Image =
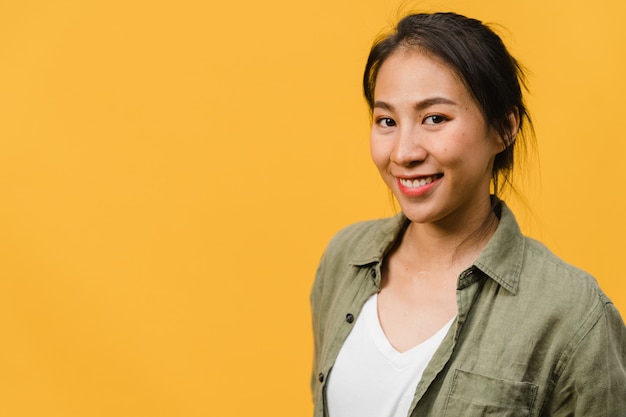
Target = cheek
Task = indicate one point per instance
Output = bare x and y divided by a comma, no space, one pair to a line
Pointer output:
379,152
381,148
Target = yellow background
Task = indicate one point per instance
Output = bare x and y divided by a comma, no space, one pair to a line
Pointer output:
170,172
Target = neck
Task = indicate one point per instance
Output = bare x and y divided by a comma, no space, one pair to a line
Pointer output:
450,244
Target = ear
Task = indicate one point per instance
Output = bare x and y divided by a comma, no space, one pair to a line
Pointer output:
512,128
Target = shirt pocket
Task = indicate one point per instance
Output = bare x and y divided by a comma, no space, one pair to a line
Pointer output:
473,395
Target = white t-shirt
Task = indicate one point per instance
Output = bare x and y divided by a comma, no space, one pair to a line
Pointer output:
372,379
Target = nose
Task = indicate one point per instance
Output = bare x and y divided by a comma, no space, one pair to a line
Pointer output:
408,148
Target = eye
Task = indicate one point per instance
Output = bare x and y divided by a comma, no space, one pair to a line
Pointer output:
385,122
435,119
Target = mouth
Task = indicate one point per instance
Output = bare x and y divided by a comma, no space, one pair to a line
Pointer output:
418,182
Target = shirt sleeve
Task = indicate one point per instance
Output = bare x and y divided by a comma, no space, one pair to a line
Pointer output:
593,381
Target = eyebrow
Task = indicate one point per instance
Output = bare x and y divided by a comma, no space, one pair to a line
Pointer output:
420,105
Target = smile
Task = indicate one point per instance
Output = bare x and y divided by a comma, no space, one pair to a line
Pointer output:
418,182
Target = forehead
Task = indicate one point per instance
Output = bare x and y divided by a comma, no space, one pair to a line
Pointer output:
414,70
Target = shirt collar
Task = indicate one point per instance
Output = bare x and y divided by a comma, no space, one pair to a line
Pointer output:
379,241
503,256
501,260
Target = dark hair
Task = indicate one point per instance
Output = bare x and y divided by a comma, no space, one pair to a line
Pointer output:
480,59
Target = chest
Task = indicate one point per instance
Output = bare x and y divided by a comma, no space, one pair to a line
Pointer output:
492,354
412,306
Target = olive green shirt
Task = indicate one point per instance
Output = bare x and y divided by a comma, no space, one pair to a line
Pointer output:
534,336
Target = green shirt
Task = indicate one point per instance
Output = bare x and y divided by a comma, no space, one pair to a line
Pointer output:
534,336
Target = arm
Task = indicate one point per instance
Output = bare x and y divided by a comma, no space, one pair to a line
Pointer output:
593,380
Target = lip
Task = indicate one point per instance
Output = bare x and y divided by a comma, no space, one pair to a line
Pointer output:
417,190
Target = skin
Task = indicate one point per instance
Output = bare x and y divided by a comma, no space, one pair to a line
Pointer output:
428,127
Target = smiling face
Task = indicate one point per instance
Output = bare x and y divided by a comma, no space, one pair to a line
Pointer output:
430,141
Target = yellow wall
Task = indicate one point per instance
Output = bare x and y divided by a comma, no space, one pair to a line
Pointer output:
170,172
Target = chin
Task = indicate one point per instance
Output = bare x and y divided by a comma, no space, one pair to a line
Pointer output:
419,215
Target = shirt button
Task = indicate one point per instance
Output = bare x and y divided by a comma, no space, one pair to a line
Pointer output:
320,377
349,318
373,273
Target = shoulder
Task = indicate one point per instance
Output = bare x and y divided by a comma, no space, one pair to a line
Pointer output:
577,313
547,289
526,267
365,241
565,299
560,279
356,246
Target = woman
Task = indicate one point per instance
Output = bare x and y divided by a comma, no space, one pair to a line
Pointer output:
447,309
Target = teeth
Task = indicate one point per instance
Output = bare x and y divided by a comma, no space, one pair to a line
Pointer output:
417,182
